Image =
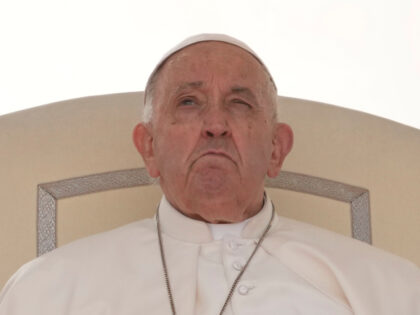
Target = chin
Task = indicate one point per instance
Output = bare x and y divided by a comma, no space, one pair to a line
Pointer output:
213,182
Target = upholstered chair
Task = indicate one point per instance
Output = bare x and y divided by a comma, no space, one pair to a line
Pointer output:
69,169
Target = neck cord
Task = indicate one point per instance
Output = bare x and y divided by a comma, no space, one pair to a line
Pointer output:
238,277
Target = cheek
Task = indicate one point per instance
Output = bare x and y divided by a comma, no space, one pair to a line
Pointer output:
257,146
173,146
186,116
168,158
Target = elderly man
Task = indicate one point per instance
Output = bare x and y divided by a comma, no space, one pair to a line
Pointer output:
216,245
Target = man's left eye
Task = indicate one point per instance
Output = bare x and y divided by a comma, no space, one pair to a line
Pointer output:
241,102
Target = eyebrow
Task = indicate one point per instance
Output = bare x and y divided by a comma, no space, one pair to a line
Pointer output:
244,91
186,85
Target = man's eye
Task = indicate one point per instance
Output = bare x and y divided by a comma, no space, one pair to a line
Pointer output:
241,102
187,102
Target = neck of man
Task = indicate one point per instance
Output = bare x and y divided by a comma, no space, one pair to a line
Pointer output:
217,210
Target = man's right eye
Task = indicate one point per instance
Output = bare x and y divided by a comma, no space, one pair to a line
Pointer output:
187,102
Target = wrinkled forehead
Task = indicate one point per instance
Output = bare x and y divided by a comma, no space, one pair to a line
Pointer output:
207,38
211,57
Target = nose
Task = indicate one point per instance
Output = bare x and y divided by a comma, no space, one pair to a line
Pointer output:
215,124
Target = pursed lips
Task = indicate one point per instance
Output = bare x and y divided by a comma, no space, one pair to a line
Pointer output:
214,152
218,153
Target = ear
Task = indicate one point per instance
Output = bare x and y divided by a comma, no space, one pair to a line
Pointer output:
282,145
143,140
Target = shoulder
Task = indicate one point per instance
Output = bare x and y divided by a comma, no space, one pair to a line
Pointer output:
373,280
121,238
101,245
291,232
89,264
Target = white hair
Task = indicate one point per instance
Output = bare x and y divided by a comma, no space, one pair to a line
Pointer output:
148,109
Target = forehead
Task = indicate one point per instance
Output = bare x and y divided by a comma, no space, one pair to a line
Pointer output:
205,60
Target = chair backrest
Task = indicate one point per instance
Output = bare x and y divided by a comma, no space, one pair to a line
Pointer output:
69,170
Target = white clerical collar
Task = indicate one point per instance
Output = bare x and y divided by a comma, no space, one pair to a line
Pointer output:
181,227
219,230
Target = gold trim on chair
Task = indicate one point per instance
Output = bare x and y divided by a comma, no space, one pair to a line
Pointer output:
49,193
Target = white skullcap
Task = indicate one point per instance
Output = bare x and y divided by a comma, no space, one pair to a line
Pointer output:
205,38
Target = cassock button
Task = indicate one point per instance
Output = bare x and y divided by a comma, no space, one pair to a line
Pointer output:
237,266
243,289
233,245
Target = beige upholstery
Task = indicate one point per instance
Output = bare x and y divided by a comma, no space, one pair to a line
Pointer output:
92,135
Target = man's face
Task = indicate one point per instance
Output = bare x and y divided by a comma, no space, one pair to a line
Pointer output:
213,138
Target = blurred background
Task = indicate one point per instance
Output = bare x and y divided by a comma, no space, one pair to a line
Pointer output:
360,54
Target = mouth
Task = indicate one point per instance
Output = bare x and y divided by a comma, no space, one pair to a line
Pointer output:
213,157
218,153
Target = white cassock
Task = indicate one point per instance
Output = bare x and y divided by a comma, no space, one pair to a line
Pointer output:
299,269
